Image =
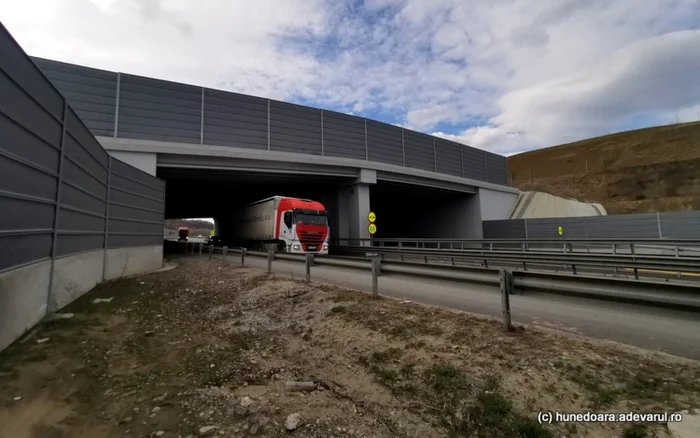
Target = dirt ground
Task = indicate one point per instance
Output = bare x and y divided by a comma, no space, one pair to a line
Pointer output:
205,349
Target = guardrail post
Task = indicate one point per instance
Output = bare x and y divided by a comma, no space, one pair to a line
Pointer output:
270,255
243,251
201,246
573,268
376,267
486,263
506,290
193,247
636,274
614,246
211,251
309,258
224,252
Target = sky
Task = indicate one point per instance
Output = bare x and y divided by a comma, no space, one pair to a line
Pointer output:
502,75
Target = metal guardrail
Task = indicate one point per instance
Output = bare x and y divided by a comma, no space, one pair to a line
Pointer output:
636,264
677,248
566,261
664,294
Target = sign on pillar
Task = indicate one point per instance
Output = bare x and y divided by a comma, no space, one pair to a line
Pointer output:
371,227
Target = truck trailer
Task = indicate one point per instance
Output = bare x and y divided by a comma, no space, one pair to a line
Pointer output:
286,224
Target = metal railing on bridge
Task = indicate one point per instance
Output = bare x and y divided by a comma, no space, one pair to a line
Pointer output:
675,248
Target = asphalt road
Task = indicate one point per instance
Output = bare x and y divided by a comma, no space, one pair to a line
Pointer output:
670,331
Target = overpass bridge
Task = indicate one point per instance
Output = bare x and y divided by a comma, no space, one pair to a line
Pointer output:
218,151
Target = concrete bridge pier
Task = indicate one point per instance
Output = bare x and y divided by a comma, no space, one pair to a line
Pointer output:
353,205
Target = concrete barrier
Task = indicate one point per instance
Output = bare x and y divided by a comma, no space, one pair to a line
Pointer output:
73,276
23,299
121,262
29,293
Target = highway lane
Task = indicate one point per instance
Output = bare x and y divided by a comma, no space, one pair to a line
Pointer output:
671,331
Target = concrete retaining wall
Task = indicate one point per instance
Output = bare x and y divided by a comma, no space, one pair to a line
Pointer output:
121,262
24,292
73,276
23,299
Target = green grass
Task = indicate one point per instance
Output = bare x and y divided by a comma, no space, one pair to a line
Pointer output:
444,378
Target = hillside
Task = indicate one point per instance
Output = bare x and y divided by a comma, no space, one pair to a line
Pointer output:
645,170
195,226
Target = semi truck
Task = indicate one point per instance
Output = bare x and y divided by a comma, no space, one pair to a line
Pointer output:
283,223
183,233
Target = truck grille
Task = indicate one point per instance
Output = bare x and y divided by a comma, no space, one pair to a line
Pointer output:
311,237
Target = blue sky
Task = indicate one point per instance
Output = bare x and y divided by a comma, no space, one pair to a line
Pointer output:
502,75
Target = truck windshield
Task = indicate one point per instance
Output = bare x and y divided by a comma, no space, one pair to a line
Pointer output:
310,219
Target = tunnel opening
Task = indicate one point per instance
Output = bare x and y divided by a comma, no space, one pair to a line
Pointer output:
220,194
411,211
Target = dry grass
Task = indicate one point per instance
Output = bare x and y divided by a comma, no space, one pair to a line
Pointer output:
646,170
178,350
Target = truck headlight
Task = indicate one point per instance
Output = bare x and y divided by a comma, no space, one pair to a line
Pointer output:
297,247
325,247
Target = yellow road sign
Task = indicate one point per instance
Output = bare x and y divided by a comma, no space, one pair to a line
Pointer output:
371,217
372,228
560,230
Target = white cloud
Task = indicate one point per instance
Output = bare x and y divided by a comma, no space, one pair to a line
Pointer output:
214,43
653,77
522,74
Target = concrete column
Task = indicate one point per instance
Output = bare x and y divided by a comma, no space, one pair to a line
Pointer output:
354,204
217,227
341,221
358,208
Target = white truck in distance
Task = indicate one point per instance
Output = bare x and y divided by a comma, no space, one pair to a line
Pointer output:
288,224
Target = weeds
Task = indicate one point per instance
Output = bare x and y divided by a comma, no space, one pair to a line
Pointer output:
384,366
600,395
444,378
462,408
643,385
635,431
396,326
